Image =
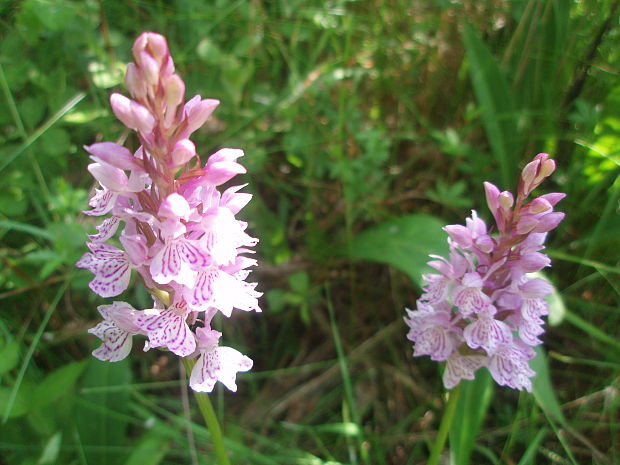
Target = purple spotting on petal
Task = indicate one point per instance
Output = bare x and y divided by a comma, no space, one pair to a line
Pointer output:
166,328
459,367
218,364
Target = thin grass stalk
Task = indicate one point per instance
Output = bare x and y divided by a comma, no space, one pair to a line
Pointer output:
210,418
446,424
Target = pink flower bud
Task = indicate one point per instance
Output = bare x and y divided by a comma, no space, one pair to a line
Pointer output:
149,67
526,224
549,222
553,198
547,167
109,177
492,194
113,154
460,234
134,80
221,166
158,46
144,121
183,151
197,111
506,200
538,205
132,114
528,174
534,261
174,90
174,206
155,44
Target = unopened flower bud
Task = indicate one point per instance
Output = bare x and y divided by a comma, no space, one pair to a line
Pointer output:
549,221
547,167
538,205
460,234
158,46
149,67
553,198
134,80
183,151
197,111
132,114
153,43
174,90
174,206
144,121
526,224
506,200
221,166
113,154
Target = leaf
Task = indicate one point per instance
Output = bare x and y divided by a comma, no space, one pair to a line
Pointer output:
496,104
151,448
542,388
403,243
9,356
50,453
531,451
100,418
21,403
472,407
58,383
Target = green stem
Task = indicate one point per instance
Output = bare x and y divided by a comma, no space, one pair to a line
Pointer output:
444,428
204,404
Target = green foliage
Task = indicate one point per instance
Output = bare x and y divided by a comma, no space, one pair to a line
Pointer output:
404,243
363,123
471,411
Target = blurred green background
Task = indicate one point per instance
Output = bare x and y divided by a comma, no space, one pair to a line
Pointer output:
367,125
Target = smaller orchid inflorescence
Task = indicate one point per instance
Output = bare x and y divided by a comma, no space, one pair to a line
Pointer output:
180,233
483,309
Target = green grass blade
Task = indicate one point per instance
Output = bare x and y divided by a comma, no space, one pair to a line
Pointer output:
592,330
532,449
496,104
472,407
26,228
32,348
66,108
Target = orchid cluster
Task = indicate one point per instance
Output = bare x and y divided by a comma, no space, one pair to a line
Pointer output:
179,233
483,308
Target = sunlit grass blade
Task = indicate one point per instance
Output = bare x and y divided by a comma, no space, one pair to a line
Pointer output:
66,108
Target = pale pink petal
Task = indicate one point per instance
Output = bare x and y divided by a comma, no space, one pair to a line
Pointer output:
219,364
461,367
165,328
487,333
113,154
109,177
107,229
116,342
102,202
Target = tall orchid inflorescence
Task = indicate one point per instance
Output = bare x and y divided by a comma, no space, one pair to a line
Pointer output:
483,309
179,232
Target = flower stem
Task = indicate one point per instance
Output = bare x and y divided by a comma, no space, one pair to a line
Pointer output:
208,414
444,428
